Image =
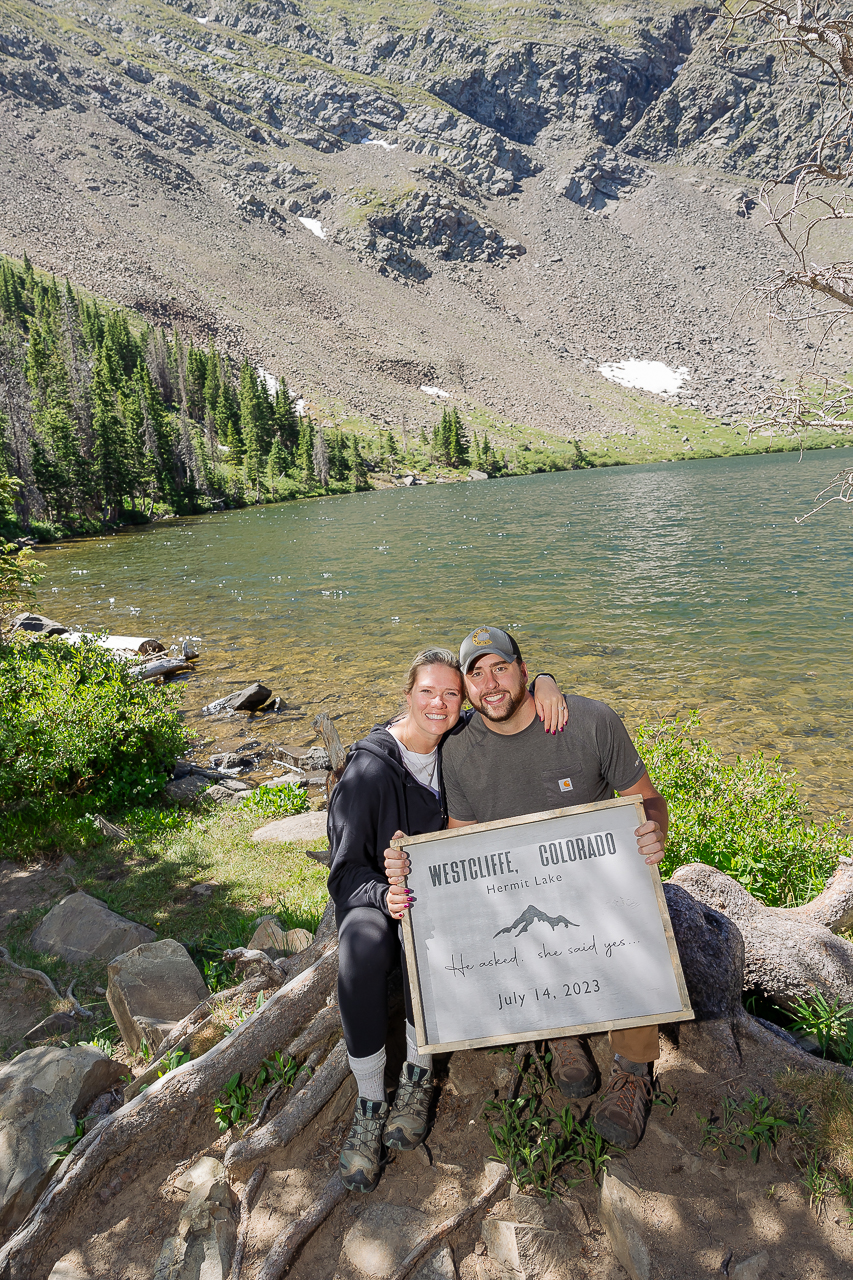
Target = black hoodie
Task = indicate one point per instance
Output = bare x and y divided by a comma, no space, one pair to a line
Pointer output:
375,797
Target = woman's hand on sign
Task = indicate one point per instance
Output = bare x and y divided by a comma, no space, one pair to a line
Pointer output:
650,843
397,867
550,704
398,901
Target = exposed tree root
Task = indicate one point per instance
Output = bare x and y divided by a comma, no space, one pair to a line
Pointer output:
302,1108
445,1228
156,1121
285,1246
246,1202
788,953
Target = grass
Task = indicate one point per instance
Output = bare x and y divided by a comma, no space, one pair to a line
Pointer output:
149,879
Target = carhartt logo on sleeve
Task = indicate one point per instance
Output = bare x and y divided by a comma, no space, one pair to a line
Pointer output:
565,784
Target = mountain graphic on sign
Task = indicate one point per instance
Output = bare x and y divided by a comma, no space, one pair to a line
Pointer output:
529,916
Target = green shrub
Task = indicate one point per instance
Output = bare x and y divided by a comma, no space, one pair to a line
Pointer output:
277,801
745,818
79,731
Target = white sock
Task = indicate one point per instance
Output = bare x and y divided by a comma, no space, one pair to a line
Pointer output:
370,1075
412,1054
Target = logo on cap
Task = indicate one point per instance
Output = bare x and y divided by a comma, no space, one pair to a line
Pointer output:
482,636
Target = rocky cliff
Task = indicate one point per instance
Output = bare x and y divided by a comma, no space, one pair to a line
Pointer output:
507,197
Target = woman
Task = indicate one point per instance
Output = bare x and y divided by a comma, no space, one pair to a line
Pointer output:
392,782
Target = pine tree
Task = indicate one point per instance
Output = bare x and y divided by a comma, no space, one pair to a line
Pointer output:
320,458
458,445
286,420
487,457
475,452
109,453
211,383
276,464
358,470
304,464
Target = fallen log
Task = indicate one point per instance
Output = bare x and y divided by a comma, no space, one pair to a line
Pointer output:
155,1123
334,747
161,667
286,1244
303,1107
788,952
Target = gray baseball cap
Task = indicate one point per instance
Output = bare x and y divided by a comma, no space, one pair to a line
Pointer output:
486,640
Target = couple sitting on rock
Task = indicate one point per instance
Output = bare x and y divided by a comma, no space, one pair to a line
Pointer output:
435,766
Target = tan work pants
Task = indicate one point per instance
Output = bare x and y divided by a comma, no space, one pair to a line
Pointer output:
639,1044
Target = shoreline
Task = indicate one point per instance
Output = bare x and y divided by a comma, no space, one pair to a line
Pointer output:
17,534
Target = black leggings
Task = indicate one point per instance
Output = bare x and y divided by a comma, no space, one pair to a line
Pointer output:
370,948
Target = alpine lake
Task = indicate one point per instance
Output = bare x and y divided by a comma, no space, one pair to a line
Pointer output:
660,589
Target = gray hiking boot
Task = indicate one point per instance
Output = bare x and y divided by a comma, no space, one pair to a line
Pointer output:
573,1068
623,1108
361,1155
406,1125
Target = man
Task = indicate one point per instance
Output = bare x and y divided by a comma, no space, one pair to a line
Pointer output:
504,764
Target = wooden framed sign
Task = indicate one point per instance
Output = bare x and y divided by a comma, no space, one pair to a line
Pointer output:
546,925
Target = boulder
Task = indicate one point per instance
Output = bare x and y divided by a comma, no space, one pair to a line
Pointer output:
275,941
621,1214
221,795
206,1238
43,1092
185,790
37,622
752,1268
534,1240
299,826
249,699
268,937
81,928
438,1266
233,760
150,989
381,1238
478,475
53,1025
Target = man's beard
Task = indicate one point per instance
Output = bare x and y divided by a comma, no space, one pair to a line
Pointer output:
506,710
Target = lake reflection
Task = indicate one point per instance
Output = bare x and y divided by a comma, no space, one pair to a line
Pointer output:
657,588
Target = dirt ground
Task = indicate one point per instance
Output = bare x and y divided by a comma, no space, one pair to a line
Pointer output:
699,1211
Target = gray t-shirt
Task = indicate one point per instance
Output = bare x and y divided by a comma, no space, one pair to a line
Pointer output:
490,776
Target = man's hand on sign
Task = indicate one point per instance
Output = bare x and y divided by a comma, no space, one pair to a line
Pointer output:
650,843
397,867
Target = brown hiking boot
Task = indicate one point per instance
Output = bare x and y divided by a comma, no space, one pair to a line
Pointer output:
572,1068
623,1107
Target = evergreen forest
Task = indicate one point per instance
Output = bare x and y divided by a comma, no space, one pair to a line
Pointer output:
104,420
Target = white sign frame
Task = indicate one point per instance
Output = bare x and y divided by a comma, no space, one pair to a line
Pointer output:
557,831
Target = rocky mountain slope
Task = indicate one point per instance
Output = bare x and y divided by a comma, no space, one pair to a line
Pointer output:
487,201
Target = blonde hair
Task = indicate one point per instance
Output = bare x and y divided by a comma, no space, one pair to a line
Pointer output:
429,658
